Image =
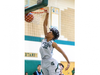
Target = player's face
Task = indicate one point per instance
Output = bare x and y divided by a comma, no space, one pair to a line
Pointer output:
39,67
26,73
61,67
49,34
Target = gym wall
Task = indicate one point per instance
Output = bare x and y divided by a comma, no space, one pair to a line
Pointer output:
66,24
67,28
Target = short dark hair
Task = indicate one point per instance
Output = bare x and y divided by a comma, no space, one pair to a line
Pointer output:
26,72
55,33
39,65
61,65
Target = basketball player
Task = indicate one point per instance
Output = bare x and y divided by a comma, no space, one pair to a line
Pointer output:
49,64
38,72
61,68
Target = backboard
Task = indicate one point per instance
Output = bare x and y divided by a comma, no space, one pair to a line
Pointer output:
32,5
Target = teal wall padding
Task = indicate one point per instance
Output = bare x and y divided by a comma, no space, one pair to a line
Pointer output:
39,39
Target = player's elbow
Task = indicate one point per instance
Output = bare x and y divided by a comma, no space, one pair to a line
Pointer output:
45,25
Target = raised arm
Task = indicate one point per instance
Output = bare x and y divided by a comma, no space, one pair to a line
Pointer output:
46,22
61,51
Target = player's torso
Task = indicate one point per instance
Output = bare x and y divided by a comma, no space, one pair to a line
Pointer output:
46,49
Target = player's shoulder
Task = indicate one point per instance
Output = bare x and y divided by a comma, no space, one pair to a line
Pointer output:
34,73
43,40
54,44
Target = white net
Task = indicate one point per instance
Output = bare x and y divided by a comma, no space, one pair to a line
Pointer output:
37,16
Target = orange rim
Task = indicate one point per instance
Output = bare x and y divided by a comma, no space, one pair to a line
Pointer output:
42,8
26,7
37,12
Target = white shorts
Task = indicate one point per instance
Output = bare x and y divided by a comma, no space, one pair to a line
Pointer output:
50,67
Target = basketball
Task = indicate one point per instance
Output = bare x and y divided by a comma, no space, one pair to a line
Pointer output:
29,17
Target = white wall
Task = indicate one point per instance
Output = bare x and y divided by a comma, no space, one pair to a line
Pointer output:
33,47
69,51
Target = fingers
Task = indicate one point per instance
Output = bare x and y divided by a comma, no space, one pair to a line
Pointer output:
67,67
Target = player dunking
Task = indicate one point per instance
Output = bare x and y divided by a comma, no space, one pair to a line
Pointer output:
49,64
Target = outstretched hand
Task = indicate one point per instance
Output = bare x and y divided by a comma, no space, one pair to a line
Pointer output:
68,65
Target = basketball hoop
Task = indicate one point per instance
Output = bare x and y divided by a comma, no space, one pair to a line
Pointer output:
26,7
38,15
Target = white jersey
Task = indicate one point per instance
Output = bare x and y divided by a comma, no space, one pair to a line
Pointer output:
48,64
46,49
